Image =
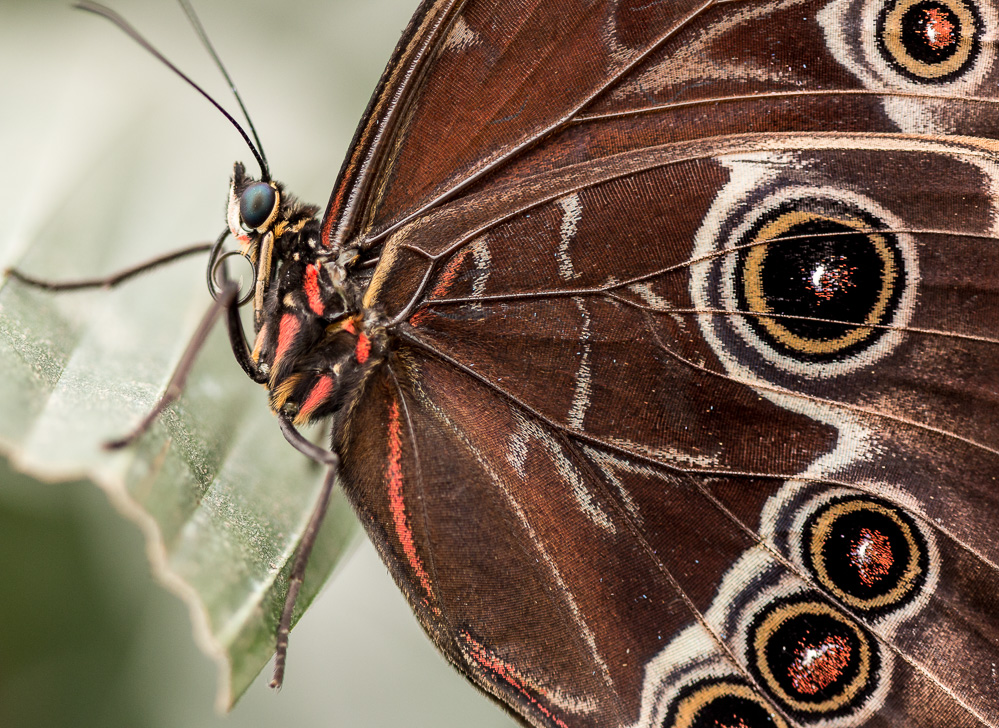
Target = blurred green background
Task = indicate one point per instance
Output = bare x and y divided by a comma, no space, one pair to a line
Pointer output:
88,638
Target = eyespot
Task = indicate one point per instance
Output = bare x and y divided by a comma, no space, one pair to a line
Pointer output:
868,553
812,659
257,205
940,54
929,41
724,702
821,282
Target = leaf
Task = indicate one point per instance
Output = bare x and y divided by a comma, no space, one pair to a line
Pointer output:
220,496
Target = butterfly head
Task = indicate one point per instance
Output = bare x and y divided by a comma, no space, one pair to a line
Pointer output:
261,208
271,227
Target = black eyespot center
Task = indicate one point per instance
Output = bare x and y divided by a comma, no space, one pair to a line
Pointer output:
869,554
825,283
722,701
256,204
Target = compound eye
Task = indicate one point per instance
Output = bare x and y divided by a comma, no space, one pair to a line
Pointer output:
256,204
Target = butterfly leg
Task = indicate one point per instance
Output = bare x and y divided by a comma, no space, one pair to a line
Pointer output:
113,279
226,294
237,336
297,575
227,300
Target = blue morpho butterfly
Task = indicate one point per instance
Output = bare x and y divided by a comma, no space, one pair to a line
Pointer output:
656,339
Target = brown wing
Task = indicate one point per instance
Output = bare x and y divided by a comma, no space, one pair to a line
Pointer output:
472,84
668,475
475,85
694,419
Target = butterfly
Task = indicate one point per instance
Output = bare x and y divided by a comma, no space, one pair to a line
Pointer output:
657,341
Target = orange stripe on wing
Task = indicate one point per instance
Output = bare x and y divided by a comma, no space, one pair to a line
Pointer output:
400,519
503,670
335,209
444,283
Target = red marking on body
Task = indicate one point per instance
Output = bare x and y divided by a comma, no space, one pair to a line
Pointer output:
508,674
287,331
740,724
444,283
872,556
349,327
937,29
312,289
317,395
817,666
400,519
363,348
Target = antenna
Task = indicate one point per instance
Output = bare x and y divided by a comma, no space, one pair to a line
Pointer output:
131,32
200,29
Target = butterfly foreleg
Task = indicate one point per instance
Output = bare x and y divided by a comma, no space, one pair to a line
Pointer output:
112,280
297,575
227,299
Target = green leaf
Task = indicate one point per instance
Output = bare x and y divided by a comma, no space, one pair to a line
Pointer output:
221,498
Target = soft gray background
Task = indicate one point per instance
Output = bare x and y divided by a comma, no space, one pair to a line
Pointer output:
88,639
